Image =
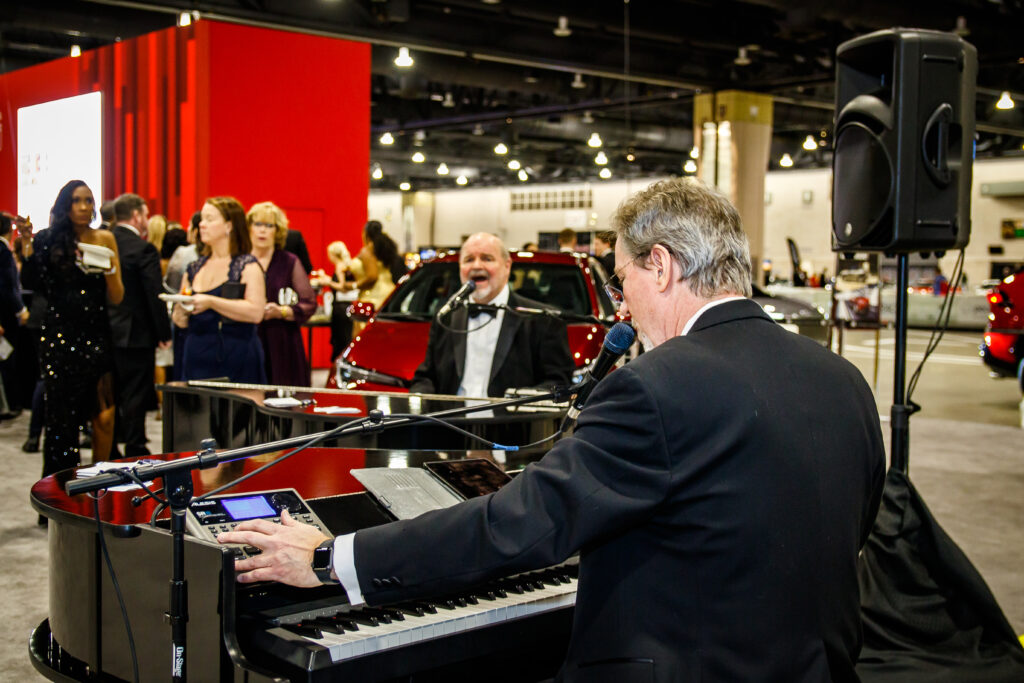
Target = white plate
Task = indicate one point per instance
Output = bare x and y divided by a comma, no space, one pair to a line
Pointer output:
177,298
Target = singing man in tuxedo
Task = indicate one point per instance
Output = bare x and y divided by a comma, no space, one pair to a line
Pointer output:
139,323
716,495
492,351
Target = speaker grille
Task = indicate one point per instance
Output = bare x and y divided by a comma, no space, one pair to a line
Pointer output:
862,185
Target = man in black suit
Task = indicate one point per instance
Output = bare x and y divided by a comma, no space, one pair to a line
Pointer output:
717,488
604,250
13,315
501,350
139,323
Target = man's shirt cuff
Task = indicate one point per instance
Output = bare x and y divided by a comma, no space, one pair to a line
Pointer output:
345,568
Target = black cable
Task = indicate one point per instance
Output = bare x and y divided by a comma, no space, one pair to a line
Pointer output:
454,330
941,324
117,587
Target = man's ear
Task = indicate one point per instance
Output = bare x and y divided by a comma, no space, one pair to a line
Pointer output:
660,261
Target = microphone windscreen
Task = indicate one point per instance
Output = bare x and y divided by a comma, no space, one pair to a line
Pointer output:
619,338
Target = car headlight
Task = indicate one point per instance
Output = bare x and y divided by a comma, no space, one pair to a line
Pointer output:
346,373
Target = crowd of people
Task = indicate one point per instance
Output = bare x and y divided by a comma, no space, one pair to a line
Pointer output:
86,335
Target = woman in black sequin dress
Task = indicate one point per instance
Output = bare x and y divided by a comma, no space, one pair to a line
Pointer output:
76,351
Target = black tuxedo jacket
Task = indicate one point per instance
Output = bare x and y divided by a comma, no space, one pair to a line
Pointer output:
532,351
10,291
718,489
140,320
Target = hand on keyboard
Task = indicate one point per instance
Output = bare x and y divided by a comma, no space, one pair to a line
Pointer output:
287,551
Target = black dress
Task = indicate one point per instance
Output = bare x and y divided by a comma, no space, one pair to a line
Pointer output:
76,348
217,346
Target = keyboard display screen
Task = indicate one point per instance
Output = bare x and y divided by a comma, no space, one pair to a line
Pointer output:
248,507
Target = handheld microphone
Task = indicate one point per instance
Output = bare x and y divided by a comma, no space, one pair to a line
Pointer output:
616,342
464,291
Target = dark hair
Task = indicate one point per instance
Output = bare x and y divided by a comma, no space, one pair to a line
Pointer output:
233,212
175,237
566,236
126,205
5,224
61,237
107,211
384,248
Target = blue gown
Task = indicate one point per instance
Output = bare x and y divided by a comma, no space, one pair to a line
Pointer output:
216,346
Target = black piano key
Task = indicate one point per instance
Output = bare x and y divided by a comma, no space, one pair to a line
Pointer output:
471,599
304,630
396,614
425,606
328,624
410,609
485,594
443,603
364,619
380,615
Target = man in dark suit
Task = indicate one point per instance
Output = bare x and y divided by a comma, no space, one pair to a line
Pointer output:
604,250
717,488
13,315
139,323
501,350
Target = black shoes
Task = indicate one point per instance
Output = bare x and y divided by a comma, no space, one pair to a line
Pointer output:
31,445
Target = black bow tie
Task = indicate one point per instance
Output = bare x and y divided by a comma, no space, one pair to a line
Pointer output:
477,310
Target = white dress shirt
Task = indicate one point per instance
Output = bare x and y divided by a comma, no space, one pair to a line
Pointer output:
481,340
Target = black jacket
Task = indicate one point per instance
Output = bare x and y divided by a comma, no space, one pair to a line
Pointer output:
532,351
140,320
718,489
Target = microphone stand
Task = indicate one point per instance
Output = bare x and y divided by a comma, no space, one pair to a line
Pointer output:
177,478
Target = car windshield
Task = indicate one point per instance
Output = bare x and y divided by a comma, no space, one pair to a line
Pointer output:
560,286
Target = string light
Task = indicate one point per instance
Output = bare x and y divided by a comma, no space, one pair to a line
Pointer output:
595,140
461,180
601,159
809,144
76,51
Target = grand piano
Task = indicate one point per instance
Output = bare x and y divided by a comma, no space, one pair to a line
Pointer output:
515,629
243,414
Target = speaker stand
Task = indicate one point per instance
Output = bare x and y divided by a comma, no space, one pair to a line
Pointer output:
901,412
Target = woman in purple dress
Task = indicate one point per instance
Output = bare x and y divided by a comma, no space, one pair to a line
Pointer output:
290,298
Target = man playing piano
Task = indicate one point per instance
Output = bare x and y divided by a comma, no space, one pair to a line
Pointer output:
715,495
494,350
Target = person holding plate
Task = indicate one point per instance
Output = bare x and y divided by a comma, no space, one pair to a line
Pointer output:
77,270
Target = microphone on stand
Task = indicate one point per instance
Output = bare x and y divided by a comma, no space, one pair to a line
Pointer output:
616,342
464,291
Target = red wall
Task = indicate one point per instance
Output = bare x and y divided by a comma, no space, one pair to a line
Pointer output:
220,109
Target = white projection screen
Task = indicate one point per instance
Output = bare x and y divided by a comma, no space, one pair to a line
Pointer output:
58,141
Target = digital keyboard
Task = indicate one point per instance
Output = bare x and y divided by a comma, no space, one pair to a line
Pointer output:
317,636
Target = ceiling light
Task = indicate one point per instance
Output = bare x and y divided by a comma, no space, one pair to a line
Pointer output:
514,164
419,157
418,137
630,157
500,148
523,176
530,77
491,2
478,129
786,161
185,19
601,159
387,139
605,173
448,101
436,97
403,59
695,153
690,166
588,118
742,59
563,30
76,51
405,186
461,180
809,144
595,140
442,169
378,173
961,27
577,81
1005,101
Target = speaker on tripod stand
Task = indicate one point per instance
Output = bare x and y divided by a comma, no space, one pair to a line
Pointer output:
904,142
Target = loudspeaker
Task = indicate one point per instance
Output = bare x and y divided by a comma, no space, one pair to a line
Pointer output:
904,142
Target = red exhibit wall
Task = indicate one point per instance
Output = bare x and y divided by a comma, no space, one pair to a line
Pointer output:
217,108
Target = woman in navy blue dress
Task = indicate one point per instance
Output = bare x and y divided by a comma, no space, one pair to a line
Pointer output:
228,298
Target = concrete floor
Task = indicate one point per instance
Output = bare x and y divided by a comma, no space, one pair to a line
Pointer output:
966,459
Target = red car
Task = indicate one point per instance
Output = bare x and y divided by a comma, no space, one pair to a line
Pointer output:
394,342
1003,346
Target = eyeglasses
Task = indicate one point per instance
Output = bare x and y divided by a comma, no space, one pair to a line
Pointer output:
258,224
615,293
